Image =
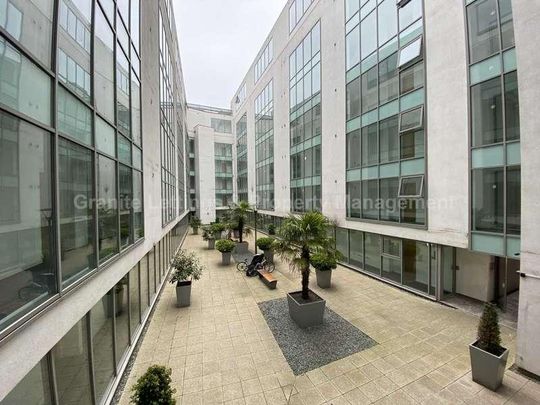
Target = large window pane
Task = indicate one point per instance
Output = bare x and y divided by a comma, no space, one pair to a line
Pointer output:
135,22
389,201
487,113
76,210
136,110
74,118
72,366
511,106
412,78
370,195
387,21
134,300
353,47
353,149
126,202
369,145
391,260
107,209
342,243
356,246
33,389
372,253
410,13
138,218
101,317
412,145
14,17
27,259
144,285
23,86
354,199
389,139
105,137
369,90
413,211
104,66
368,35
122,93
353,99
483,29
488,200
388,79
121,316
507,23
513,200
416,265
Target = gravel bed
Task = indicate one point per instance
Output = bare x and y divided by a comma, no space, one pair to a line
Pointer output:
314,347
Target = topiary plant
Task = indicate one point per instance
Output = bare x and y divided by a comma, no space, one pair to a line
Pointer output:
195,222
323,261
225,245
265,243
154,387
489,333
186,267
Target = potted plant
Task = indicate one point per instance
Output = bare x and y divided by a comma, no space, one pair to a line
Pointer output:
271,229
217,229
195,223
488,357
225,246
266,245
324,263
299,238
186,267
154,387
208,235
238,216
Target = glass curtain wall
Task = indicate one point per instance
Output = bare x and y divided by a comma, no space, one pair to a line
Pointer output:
385,110
223,155
242,159
264,148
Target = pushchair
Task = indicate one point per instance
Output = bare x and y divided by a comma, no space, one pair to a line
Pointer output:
251,268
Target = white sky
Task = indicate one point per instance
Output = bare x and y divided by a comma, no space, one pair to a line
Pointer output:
219,40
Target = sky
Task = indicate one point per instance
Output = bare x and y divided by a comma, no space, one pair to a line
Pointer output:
219,39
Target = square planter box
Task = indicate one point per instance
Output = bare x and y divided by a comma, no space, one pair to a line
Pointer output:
226,258
324,278
306,314
183,294
487,369
241,248
211,244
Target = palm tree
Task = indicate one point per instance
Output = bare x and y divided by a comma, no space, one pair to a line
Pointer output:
238,215
302,236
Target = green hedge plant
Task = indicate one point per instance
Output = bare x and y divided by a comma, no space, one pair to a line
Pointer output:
186,267
323,261
154,387
225,245
265,243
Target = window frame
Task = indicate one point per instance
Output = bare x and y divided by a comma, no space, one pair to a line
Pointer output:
402,65
400,188
415,128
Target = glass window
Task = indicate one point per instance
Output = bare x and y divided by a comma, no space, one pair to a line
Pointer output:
411,186
342,243
316,78
144,285
101,317
487,114
483,29
104,66
126,197
121,317
416,265
411,120
23,86
123,93
33,389
153,269
410,52
72,366
124,150
353,47
353,99
354,199
134,300
369,90
413,211
74,118
388,79
369,147
105,137
488,200
412,78
27,261
76,211
372,253
409,13
391,261
351,8
136,110
513,200
507,23
138,218
353,149
107,209
388,199
368,35
135,22
511,106
412,144
387,21
356,247
370,196
389,139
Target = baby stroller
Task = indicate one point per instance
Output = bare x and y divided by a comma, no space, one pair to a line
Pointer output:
251,268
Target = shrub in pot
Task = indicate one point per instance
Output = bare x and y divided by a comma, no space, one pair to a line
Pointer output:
217,229
208,235
195,224
225,246
488,357
238,216
324,263
186,267
154,387
299,238
271,229
266,245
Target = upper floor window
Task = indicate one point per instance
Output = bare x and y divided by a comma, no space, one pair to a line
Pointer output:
264,60
296,11
221,125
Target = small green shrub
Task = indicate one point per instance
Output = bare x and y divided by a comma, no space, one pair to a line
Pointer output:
154,387
195,222
271,229
217,227
323,262
225,245
489,334
265,243
186,266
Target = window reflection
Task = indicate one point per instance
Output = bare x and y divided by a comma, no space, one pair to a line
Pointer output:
107,209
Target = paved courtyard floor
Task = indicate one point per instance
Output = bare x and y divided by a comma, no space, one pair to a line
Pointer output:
222,351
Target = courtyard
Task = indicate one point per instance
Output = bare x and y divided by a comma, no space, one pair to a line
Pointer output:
221,349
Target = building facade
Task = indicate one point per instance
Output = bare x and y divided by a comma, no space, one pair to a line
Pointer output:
92,141
411,142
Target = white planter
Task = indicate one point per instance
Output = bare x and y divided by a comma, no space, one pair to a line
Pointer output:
306,314
183,294
324,278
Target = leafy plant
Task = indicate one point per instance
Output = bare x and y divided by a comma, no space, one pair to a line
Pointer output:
186,266
265,243
207,233
238,216
154,387
217,227
225,245
299,238
489,334
195,222
271,229
324,261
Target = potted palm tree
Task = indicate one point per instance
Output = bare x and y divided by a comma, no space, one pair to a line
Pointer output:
238,216
266,245
488,357
324,263
225,246
299,238
154,387
186,269
195,223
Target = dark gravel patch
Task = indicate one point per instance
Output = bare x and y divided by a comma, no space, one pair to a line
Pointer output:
311,348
